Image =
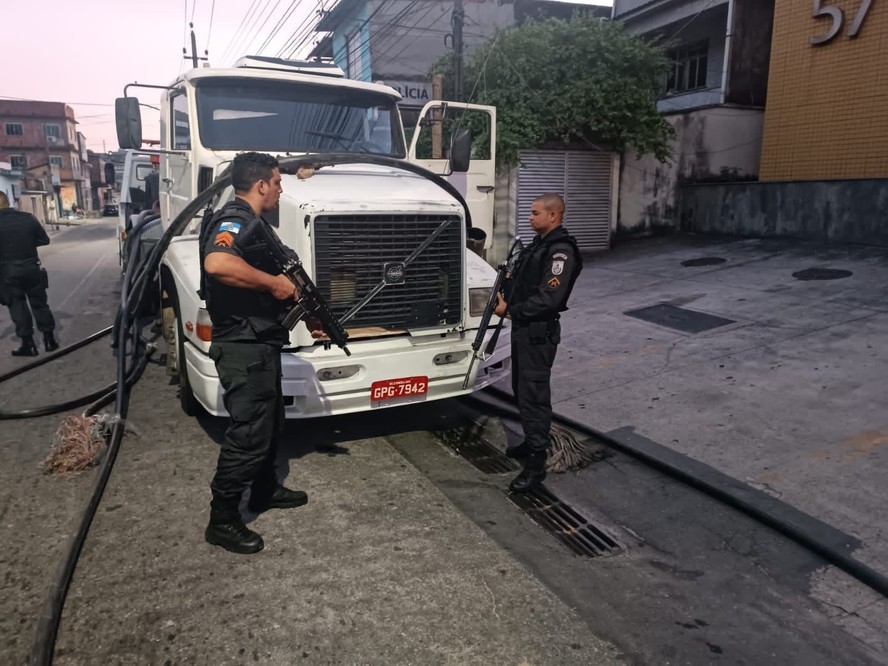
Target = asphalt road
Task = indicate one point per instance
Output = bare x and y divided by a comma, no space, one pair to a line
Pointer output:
406,553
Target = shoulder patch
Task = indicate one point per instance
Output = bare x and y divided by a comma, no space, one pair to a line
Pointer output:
558,267
554,282
224,239
559,255
233,227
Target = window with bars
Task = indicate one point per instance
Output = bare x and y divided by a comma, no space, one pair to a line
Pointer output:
18,161
55,161
687,69
14,129
53,131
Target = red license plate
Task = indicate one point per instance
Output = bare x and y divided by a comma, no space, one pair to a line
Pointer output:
405,387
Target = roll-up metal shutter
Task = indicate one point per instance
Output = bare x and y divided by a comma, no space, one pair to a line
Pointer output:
583,179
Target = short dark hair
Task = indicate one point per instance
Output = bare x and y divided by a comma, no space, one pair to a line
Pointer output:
248,168
552,201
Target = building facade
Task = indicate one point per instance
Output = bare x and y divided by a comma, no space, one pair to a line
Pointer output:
714,96
827,113
42,140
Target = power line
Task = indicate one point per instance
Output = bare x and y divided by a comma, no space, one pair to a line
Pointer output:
249,30
281,23
240,27
290,44
210,31
193,7
259,29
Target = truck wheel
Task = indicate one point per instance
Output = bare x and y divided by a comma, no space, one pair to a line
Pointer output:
189,403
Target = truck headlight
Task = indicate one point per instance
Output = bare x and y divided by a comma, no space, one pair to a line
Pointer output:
478,300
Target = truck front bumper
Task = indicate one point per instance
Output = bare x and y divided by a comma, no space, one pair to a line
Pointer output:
319,382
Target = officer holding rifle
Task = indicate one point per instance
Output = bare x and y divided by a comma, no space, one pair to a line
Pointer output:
246,305
541,286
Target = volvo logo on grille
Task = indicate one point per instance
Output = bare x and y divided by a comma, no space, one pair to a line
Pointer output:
394,273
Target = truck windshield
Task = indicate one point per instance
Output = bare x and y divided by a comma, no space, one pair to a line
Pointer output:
277,116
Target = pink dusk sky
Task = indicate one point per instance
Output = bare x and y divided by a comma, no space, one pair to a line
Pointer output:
83,52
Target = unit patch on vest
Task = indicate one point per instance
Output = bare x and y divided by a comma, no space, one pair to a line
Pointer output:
224,239
558,267
554,282
233,227
559,255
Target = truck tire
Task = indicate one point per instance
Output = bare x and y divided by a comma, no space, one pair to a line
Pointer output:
189,403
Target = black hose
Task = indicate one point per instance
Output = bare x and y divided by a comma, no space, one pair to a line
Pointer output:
57,354
740,496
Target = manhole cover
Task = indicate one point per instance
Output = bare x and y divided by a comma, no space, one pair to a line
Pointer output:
568,526
822,274
688,321
703,261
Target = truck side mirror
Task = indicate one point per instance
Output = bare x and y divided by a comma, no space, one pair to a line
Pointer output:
110,175
129,122
461,150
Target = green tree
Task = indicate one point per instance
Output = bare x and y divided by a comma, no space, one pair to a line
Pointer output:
577,80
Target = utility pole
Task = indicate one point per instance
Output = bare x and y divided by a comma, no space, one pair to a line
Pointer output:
456,22
193,57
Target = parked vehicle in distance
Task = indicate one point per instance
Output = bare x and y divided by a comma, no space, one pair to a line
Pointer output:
110,210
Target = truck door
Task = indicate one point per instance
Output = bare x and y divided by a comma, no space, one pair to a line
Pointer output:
430,144
176,175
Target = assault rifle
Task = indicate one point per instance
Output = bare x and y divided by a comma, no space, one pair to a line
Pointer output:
311,304
504,272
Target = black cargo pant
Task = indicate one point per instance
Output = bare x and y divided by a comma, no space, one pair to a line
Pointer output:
26,284
250,373
533,353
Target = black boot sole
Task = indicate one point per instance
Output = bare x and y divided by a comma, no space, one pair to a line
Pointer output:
277,505
233,546
526,487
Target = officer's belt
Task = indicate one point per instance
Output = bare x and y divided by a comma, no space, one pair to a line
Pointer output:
524,323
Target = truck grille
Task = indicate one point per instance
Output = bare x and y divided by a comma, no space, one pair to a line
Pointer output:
351,251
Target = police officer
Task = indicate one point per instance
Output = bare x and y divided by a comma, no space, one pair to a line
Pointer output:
544,278
22,279
245,304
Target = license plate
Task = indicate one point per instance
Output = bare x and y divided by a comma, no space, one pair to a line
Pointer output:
404,387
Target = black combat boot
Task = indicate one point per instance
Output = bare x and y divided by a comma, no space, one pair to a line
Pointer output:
228,531
281,498
28,348
532,475
49,342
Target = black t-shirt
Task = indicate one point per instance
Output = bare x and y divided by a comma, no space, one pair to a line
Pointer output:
20,236
240,314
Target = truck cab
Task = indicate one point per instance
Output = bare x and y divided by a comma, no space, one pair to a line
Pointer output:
349,223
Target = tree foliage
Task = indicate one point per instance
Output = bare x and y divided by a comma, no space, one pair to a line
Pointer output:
578,80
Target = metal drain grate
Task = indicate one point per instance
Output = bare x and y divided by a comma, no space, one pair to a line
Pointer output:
704,261
568,526
483,456
688,321
822,274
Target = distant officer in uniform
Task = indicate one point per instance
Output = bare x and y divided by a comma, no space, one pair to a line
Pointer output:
245,305
544,278
23,281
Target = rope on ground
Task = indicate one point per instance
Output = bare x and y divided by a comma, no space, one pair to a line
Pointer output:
567,453
78,444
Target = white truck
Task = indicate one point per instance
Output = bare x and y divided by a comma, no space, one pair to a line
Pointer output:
348,223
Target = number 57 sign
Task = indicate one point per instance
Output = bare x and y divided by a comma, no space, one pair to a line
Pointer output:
838,19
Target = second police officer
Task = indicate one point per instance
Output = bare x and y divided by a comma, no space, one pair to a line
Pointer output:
544,278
